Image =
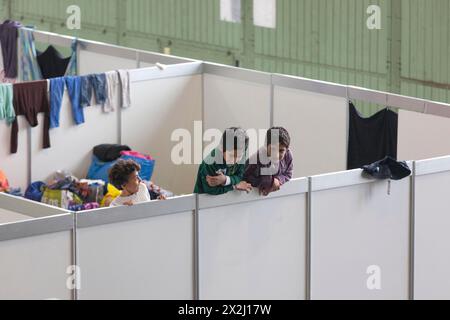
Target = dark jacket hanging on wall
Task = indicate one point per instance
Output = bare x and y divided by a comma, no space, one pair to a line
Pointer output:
371,139
30,98
52,63
8,40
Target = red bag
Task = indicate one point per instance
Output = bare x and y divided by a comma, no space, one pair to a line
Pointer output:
136,154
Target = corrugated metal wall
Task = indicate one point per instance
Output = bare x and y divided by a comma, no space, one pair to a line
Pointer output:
320,39
425,49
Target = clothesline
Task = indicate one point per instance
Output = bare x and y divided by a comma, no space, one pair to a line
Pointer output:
33,95
30,98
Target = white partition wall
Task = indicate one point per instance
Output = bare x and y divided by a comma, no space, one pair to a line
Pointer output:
15,166
252,247
140,252
8,216
17,208
35,257
71,145
317,123
359,237
93,62
422,136
165,102
234,97
432,223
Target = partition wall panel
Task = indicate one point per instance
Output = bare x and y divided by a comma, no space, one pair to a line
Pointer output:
36,259
359,237
432,222
252,247
94,62
143,252
318,126
422,136
233,100
15,166
160,109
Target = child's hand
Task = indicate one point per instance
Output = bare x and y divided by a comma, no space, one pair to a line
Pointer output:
276,185
162,197
218,180
244,186
128,203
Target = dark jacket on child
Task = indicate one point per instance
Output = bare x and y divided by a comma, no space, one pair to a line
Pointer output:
263,181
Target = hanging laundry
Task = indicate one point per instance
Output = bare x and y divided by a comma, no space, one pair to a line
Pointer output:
30,98
371,139
124,76
74,89
57,86
118,90
113,86
72,68
96,83
8,41
3,77
86,90
6,103
29,67
52,63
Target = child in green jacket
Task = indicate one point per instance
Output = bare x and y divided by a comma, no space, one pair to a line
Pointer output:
222,171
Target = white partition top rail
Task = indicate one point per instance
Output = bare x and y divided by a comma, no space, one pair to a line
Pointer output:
296,186
342,179
108,49
27,207
35,227
430,166
333,89
150,209
170,71
237,73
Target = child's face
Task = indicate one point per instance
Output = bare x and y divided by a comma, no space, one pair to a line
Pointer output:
233,157
277,151
132,186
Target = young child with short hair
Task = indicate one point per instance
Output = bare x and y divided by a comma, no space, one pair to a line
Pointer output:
124,175
222,171
272,165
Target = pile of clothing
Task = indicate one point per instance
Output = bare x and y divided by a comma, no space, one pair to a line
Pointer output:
66,191
106,155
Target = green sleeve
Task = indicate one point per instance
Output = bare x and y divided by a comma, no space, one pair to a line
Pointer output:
203,186
239,175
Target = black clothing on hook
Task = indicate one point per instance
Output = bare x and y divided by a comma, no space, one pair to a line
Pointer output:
371,139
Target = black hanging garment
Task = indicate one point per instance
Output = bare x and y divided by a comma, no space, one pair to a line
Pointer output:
52,63
371,139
